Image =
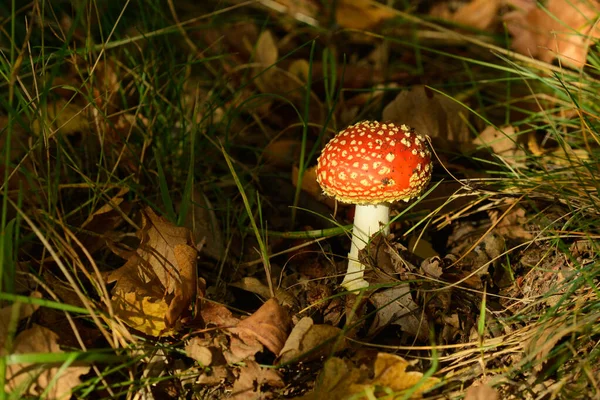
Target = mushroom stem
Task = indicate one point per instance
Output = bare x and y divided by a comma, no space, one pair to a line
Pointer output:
368,220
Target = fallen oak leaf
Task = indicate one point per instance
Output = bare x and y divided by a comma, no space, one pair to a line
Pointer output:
252,379
159,280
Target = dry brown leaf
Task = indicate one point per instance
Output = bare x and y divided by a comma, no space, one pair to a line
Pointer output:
306,337
200,350
217,315
478,14
559,30
514,224
165,256
213,376
252,381
504,144
20,311
429,113
242,349
361,14
432,267
269,325
481,392
160,240
396,306
34,379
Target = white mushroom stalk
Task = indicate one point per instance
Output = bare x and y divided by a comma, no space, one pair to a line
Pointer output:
368,220
371,164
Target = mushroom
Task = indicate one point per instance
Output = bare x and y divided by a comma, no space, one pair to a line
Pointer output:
371,164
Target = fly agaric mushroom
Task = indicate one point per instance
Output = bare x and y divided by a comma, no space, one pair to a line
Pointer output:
371,164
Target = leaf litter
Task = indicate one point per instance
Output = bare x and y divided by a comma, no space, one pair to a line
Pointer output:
450,300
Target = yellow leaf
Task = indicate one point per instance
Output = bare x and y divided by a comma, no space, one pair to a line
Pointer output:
142,312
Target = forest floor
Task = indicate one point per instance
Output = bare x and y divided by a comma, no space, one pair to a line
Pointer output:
163,234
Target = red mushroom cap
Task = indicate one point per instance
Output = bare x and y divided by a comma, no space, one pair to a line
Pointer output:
371,162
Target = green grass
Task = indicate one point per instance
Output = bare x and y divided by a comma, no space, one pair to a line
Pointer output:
107,96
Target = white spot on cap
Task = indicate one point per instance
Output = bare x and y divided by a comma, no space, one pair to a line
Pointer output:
384,170
390,157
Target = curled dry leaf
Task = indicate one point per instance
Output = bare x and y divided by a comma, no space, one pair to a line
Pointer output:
306,341
166,256
33,379
269,325
429,113
561,29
